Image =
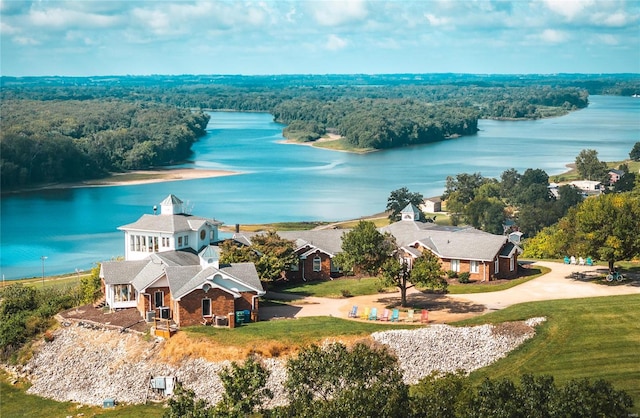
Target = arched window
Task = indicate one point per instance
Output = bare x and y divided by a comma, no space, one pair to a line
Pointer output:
317,264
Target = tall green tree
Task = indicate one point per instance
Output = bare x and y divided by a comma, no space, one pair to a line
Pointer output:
590,167
486,213
606,226
271,254
365,249
634,154
336,381
399,199
460,191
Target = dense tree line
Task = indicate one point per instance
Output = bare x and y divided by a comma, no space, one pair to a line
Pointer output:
486,203
603,227
98,124
69,140
366,381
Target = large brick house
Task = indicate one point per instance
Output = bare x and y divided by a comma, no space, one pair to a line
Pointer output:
172,270
461,249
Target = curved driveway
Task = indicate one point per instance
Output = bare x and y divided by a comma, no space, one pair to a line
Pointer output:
557,284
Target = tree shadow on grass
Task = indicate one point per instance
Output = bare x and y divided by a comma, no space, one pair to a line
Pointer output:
434,302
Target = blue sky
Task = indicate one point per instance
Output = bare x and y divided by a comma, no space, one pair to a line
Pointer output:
84,37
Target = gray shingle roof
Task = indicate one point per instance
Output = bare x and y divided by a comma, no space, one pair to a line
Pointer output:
168,223
121,272
183,281
463,243
328,240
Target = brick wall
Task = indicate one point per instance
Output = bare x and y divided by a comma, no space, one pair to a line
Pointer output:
190,306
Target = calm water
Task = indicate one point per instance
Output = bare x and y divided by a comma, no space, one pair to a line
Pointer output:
75,228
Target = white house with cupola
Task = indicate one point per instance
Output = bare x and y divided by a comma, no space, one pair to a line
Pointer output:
171,230
172,271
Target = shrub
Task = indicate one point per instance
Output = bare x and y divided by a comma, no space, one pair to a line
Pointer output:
464,277
452,274
346,293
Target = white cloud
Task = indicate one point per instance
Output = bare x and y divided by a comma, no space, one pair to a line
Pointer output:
553,36
335,43
335,13
66,19
617,19
23,40
568,8
6,29
435,20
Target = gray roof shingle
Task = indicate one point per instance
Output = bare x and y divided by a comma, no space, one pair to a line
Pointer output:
168,223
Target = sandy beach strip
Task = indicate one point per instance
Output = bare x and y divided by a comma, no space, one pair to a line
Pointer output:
136,177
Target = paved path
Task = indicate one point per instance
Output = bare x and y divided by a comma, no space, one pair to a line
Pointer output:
556,284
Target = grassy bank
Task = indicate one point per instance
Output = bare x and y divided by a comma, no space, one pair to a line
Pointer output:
582,338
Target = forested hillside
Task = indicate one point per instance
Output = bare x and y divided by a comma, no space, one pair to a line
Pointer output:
72,128
70,140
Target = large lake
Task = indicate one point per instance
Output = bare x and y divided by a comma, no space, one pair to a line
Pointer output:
76,228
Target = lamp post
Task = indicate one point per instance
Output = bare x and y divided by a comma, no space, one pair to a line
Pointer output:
43,258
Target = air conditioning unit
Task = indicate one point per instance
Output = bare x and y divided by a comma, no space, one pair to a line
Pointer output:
151,315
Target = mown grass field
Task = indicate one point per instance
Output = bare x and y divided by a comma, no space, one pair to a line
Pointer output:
582,338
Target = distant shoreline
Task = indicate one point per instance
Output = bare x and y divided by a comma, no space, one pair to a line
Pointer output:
134,177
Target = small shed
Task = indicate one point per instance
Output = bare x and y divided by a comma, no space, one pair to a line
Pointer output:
431,205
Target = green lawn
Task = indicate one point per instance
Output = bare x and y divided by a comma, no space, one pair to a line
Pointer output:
582,338
465,289
16,403
292,332
334,288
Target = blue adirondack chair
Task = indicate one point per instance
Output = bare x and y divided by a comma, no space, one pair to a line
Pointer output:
354,312
589,261
395,315
373,315
566,259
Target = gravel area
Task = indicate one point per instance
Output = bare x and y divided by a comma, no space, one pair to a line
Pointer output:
87,364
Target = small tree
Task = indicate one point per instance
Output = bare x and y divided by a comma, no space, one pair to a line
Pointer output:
334,381
441,395
183,404
91,285
365,248
245,388
426,272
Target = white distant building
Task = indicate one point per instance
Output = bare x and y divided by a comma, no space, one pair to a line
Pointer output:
431,205
588,186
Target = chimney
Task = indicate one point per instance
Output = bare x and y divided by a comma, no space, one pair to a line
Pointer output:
237,228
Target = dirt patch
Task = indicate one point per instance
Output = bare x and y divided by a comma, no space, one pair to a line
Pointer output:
120,319
512,329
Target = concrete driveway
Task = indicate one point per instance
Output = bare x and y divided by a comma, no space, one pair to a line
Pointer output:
557,284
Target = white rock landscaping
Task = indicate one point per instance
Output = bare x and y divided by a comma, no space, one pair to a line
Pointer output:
88,366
